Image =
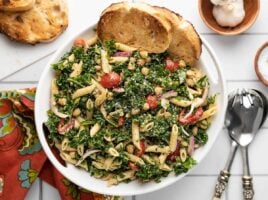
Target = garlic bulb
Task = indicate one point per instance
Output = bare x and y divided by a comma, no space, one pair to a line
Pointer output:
228,12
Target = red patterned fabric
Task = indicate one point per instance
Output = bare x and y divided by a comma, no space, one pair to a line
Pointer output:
22,158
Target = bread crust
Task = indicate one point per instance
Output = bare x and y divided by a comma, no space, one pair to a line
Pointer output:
16,5
186,43
135,24
43,23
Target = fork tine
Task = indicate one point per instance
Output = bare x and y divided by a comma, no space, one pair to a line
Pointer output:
236,96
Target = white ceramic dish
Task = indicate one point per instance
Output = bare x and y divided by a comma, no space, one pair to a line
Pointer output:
209,65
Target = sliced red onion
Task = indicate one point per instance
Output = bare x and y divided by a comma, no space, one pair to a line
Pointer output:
64,128
122,54
171,93
119,90
191,146
88,153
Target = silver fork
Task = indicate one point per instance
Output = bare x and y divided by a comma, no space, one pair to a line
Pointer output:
245,114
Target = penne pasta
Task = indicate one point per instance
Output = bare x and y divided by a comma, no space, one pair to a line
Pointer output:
208,113
93,40
77,69
64,144
173,138
118,59
183,154
94,129
83,91
55,91
67,157
158,149
148,159
162,159
108,163
106,67
136,135
80,149
113,152
124,47
181,103
134,158
147,127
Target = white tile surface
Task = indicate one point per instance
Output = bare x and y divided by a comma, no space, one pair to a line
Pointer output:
260,184
190,188
236,55
33,193
49,192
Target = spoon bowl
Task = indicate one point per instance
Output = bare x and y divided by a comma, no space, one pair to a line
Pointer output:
265,104
250,108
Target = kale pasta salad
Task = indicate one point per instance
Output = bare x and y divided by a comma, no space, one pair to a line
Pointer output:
123,114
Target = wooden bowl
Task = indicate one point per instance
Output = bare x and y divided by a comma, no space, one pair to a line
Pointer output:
252,8
259,72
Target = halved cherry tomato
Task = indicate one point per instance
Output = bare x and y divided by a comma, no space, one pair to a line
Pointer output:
121,121
171,65
133,167
64,128
110,80
192,118
173,155
79,42
152,101
138,152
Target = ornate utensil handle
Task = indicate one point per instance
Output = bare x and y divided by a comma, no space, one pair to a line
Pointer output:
221,184
248,191
225,174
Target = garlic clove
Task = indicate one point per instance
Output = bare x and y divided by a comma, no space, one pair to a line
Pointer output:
261,64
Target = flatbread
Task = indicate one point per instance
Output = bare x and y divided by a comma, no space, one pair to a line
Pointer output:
16,5
43,23
135,24
186,43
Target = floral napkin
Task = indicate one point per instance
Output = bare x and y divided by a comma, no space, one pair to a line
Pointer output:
22,157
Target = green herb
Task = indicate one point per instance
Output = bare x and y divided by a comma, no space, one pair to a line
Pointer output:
202,82
211,99
201,137
183,167
150,172
110,47
52,125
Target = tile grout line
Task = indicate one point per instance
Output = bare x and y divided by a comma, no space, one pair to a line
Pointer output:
40,189
28,65
19,82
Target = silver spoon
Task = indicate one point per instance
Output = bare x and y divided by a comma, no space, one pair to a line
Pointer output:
248,134
236,122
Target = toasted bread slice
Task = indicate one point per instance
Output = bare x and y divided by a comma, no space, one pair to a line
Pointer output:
186,43
16,5
43,23
135,24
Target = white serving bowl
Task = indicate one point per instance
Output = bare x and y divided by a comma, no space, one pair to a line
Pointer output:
208,63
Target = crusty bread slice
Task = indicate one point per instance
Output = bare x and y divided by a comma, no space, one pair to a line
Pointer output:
135,24
43,23
16,5
186,43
